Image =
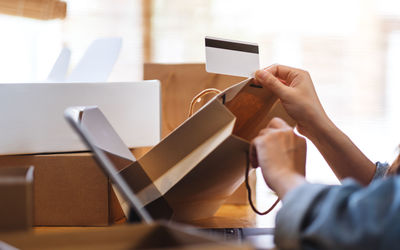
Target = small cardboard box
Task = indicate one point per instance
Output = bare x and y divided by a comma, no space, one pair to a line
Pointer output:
138,236
16,198
69,190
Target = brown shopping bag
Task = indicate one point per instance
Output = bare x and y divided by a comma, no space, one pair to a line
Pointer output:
193,170
179,84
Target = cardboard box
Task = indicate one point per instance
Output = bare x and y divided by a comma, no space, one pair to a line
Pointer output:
16,198
138,236
69,190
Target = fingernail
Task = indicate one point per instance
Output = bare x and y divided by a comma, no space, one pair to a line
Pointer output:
270,66
261,74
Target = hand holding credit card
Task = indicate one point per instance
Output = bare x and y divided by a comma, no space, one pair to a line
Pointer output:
229,57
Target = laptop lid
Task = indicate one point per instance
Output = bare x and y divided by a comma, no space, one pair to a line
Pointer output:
109,151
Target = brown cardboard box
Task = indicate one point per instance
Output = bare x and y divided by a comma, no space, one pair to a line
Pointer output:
138,236
16,198
69,189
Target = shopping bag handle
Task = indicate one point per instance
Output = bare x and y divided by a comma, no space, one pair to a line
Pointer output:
196,99
249,191
200,95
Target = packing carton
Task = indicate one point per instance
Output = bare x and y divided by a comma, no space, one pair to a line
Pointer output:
69,190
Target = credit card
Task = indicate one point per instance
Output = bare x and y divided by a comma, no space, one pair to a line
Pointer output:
229,57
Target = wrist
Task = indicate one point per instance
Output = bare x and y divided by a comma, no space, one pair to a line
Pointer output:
285,181
317,127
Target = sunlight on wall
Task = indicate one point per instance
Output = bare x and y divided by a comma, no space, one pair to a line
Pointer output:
28,48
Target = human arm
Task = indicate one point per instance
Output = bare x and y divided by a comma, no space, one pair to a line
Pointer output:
348,216
314,216
295,89
281,154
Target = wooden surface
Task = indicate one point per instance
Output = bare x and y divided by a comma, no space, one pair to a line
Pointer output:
227,216
134,236
38,9
117,237
147,6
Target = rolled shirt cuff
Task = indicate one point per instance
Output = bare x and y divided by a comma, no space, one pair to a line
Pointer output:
381,170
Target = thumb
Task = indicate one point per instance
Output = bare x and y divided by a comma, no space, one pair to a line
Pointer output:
268,80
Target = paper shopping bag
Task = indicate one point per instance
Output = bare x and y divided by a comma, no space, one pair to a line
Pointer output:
193,170
179,84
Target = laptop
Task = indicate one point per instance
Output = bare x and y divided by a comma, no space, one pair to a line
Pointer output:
98,134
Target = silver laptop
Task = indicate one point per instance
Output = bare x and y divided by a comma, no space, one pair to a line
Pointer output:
113,155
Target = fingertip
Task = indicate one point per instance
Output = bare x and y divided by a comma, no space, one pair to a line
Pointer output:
255,81
272,67
261,74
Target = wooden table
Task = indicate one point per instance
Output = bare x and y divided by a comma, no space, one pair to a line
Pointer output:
228,216
117,237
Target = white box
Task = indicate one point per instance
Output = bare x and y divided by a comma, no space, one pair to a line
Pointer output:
32,114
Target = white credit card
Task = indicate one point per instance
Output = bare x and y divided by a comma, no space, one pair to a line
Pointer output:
230,57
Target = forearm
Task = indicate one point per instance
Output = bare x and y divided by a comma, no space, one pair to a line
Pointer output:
322,216
345,158
284,182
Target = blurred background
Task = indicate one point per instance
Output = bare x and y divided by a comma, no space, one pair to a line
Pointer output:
350,47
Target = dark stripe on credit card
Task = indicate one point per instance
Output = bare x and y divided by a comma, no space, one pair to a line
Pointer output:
231,46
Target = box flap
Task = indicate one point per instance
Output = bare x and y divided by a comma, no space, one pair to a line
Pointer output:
10,175
97,63
16,198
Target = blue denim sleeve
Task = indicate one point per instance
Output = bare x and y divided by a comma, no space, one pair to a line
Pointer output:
381,170
348,216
